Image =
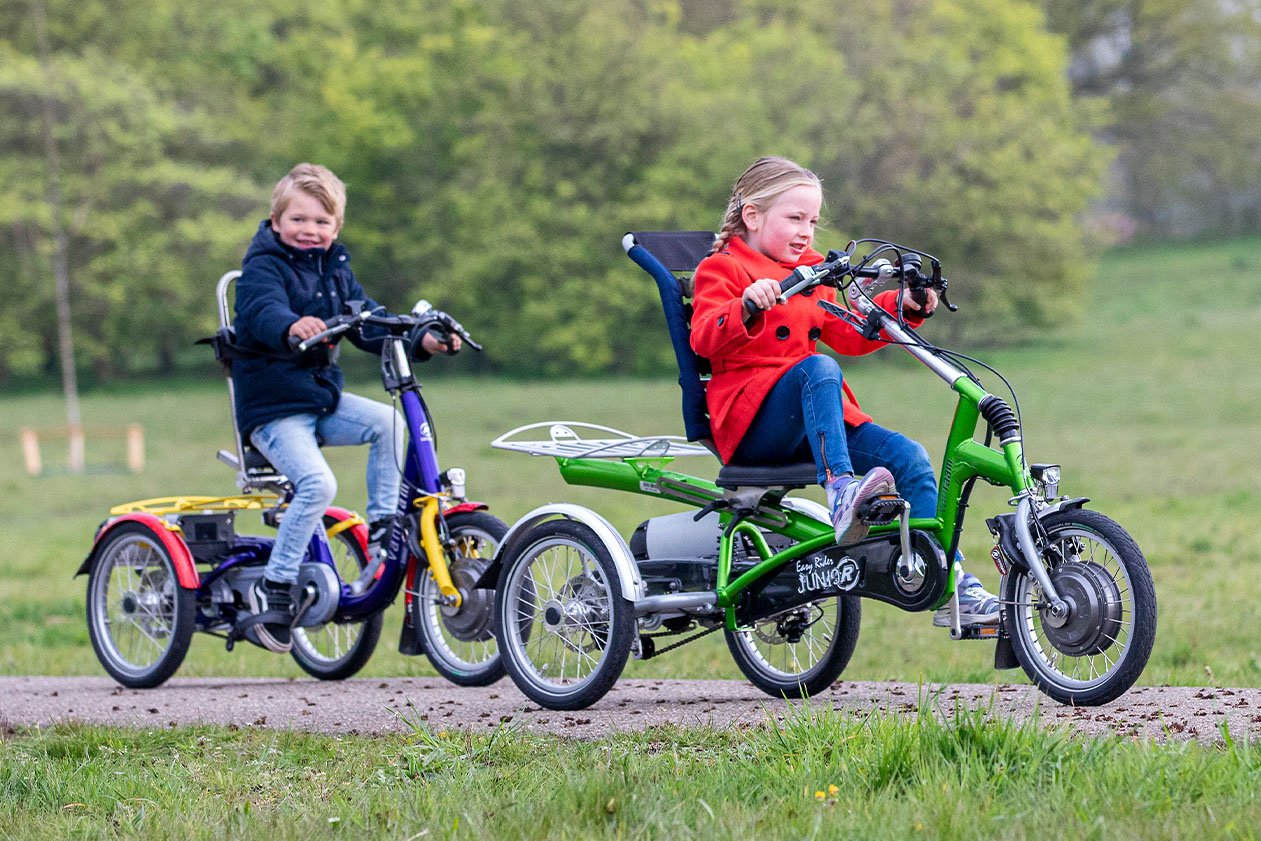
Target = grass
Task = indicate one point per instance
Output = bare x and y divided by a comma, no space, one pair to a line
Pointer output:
1148,402
816,775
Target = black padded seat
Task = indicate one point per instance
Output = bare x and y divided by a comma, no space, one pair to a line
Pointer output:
768,476
256,461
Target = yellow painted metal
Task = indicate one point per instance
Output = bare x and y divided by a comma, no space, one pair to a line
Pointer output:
348,523
158,506
433,549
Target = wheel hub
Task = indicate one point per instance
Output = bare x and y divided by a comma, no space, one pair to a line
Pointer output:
1093,618
129,603
471,621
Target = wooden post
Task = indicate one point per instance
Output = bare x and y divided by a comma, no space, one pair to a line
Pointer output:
75,458
30,450
135,447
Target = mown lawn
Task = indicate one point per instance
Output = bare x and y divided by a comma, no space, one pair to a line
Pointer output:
819,775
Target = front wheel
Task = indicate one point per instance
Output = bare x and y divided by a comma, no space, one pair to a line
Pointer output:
337,650
1096,652
563,625
140,619
801,651
460,641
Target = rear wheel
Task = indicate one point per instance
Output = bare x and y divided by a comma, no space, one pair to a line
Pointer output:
564,628
801,651
1096,652
460,641
337,650
140,619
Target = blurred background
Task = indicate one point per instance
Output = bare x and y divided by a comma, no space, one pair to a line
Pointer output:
1089,171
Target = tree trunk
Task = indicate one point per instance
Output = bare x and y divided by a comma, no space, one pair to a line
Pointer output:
61,266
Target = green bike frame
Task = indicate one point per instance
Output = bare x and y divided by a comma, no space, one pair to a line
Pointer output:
965,459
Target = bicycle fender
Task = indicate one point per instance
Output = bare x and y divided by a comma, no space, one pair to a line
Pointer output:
358,528
464,507
185,569
629,580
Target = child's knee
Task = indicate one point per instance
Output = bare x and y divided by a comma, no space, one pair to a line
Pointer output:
317,486
820,367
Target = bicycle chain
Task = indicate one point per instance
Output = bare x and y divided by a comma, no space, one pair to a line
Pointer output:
659,651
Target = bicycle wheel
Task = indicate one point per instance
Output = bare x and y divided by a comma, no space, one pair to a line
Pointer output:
337,650
460,641
1099,649
801,651
564,628
140,619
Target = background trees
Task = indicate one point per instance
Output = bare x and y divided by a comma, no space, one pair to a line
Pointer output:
496,151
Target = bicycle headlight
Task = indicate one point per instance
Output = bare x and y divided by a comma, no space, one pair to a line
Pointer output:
1047,477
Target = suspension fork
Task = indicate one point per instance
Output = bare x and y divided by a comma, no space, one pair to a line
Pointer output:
430,511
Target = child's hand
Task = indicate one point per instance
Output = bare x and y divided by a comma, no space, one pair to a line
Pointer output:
911,307
432,344
763,293
306,327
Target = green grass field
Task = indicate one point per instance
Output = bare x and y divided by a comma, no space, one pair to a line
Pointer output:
1149,402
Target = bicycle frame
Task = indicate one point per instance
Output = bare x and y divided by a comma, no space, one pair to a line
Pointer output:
965,460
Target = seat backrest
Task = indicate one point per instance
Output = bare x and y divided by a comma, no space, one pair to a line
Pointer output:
667,256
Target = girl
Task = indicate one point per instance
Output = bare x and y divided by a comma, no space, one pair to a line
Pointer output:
772,398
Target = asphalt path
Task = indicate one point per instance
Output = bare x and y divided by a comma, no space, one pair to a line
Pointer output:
385,705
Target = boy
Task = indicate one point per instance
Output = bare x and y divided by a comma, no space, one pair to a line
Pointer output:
294,276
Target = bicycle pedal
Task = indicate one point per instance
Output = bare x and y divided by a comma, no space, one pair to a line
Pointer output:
979,632
880,510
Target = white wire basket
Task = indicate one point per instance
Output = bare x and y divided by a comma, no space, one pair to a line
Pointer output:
566,440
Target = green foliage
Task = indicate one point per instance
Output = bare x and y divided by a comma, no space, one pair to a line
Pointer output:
495,152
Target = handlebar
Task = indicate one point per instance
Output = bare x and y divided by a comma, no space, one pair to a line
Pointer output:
866,273
423,317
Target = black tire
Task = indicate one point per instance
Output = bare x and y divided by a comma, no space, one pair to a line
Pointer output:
335,651
460,642
558,600
140,619
826,633
1101,649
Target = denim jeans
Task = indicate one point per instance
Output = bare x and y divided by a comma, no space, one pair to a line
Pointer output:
802,418
292,445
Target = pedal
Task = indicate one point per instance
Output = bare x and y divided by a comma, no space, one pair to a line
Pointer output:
979,632
881,510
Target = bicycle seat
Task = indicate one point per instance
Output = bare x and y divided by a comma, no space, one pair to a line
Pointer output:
763,476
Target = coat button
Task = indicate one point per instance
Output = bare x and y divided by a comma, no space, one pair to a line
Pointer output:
722,319
815,333
781,332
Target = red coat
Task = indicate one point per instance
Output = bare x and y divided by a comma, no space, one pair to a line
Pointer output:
748,361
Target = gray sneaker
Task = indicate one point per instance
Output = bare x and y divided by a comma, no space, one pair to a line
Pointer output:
274,597
977,606
850,495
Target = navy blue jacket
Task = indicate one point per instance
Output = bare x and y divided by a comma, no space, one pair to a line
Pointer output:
279,285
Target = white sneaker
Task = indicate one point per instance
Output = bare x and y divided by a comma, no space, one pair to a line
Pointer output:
850,495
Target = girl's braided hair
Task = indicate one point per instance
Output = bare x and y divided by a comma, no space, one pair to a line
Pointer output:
763,182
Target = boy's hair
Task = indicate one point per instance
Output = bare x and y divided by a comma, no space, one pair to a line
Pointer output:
763,182
316,181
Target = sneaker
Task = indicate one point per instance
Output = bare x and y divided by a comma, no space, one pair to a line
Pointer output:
977,606
378,538
267,596
847,494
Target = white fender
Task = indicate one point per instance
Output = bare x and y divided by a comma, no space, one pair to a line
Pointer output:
632,586
806,506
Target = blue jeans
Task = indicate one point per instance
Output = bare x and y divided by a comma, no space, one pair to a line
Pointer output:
802,418
292,445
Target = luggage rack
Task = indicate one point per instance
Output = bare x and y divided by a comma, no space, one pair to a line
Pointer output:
565,441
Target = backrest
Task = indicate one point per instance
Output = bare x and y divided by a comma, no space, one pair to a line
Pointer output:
665,255
253,472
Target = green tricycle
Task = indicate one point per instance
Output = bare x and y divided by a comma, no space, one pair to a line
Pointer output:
574,600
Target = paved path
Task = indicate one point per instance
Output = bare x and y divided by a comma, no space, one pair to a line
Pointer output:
368,705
